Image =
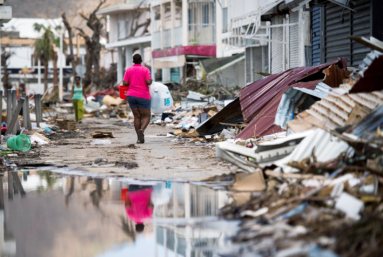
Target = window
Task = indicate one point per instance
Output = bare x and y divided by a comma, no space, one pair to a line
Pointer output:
205,13
225,23
190,18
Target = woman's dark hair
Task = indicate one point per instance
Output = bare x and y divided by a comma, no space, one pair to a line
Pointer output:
137,59
77,77
139,227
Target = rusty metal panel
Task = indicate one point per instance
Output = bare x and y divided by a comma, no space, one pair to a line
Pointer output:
257,95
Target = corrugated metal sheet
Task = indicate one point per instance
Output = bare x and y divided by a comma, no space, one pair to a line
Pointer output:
263,123
294,40
290,98
316,35
277,48
369,123
256,96
293,98
334,110
372,79
320,91
320,142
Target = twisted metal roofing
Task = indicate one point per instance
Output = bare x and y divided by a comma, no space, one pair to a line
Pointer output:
257,95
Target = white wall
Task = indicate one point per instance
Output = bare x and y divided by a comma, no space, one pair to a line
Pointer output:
231,76
120,25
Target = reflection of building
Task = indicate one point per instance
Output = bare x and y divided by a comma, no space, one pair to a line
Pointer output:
188,202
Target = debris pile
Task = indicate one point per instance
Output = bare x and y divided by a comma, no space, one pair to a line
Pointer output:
311,161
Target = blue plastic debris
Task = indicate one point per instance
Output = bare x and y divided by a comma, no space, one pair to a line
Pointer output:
297,210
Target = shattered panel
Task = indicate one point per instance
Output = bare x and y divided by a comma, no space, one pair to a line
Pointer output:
335,110
335,76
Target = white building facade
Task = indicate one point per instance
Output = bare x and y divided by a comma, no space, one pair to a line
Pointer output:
273,34
184,32
129,32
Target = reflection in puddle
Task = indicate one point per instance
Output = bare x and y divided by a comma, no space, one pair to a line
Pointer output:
47,215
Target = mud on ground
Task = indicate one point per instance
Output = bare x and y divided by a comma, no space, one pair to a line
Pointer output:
159,158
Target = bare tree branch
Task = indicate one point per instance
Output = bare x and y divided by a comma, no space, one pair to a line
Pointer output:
71,56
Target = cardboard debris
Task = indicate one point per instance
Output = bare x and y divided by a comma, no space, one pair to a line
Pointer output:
249,182
211,113
99,134
177,132
194,140
191,134
66,124
111,101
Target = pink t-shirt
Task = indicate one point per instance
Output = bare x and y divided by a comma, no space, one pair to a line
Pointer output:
136,76
139,209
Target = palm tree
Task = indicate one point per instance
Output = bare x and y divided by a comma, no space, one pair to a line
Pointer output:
45,50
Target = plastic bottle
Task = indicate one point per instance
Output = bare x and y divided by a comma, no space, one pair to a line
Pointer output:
162,100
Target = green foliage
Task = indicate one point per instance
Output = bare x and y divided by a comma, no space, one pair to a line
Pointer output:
44,44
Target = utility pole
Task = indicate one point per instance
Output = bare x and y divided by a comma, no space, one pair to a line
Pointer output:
5,16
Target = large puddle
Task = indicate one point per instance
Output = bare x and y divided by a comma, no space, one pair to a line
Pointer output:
45,214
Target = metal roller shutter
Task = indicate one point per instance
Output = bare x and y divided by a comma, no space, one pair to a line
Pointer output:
294,39
338,24
316,35
277,48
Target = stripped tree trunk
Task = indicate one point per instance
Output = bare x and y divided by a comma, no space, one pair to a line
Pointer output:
55,71
45,76
70,57
93,46
87,80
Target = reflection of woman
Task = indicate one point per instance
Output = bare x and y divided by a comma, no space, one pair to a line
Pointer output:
138,205
78,95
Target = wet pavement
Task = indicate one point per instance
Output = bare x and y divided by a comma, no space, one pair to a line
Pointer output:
47,214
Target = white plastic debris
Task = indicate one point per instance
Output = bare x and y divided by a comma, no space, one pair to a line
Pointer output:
228,134
255,213
101,142
350,205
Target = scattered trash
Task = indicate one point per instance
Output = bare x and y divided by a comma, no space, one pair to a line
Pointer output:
100,160
19,143
101,142
99,134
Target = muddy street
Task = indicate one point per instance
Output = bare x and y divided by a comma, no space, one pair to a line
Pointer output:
160,157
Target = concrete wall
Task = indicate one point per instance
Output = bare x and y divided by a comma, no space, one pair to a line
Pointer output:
231,76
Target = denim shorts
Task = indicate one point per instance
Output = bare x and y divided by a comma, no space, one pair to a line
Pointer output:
135,102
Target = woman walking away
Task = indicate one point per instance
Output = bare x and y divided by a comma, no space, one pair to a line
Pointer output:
78,95
138,79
